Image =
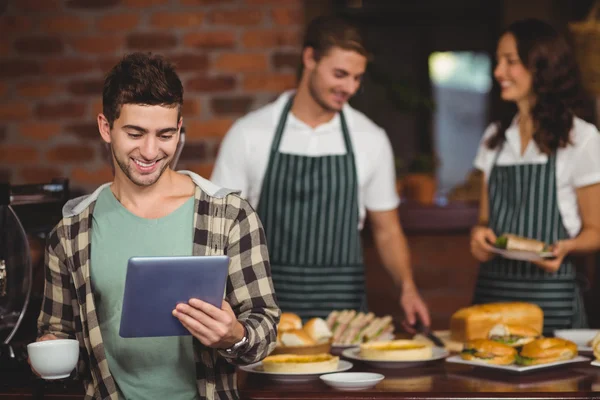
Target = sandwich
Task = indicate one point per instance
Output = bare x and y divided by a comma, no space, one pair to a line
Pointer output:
351,328
489,352
513,335
396,350
295,337
300,364
288,322
546,350
318,330
595,345
509,241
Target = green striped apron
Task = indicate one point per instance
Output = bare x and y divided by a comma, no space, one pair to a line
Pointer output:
309,209
523,201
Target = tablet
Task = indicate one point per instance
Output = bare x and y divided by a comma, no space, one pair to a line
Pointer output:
155,285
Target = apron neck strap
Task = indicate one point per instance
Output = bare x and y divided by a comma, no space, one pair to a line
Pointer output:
283,120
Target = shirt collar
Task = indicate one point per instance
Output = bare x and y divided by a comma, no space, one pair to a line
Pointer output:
513,138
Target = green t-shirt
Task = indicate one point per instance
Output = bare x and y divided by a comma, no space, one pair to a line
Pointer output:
143,368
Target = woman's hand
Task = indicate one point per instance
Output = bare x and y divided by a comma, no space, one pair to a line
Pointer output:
482,238
560,250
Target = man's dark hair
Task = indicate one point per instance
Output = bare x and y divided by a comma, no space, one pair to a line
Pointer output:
141,78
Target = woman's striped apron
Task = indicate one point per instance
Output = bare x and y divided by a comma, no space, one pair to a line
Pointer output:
523,201
309,209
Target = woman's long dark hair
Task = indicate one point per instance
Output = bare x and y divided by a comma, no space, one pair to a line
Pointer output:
556,85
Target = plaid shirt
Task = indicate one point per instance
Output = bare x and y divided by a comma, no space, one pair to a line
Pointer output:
222,225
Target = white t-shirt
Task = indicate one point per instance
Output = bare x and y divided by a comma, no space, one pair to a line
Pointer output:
577,165
242,160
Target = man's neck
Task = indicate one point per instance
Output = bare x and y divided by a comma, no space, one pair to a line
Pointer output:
307,110
134,197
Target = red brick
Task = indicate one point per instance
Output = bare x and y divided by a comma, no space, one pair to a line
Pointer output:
287,16
64,24
85,131
204,169
3,89
12,68
231,105
214,128
114,23
191,108
5,48
39,45
14,24
189,61
106,64
92,4
96,108
143,3
204,2
86,87
39,130
39,174
70,153
282,60
193,151
61,109
97,44
3,132
14,111
210,40
211,84
269,82
96,177
37,5
174,20
236,62
69,66
236,17
37,89
268,38
151,41
17,154
273,2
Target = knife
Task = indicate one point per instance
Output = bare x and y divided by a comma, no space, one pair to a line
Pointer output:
419,327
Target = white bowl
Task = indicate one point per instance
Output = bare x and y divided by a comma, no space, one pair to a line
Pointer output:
54,359
352,380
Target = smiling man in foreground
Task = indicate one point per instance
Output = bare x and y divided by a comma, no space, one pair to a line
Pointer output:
151,210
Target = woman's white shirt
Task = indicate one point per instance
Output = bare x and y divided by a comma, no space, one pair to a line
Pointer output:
577,165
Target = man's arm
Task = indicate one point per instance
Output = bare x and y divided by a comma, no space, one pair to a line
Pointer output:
249,287
56,316
395,255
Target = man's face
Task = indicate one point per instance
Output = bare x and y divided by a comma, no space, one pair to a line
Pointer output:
335,78
143,141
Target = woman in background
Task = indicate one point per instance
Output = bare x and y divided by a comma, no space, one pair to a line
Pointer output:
541,177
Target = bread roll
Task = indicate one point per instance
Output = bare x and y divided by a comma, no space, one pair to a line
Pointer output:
513,335
396,350
296,337
317,329
289,321
489,352
298,364
547,350
476,321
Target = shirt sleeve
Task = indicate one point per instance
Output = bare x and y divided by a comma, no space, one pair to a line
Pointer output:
380,189
586,168
485,157
230,166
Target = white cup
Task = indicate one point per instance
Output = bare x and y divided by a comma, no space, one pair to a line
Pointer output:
54,359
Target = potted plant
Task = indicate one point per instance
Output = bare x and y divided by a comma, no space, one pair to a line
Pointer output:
419,183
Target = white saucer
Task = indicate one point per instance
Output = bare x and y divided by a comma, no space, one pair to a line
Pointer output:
352,380
257,368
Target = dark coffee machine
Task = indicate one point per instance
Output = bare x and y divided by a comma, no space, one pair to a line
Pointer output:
27,214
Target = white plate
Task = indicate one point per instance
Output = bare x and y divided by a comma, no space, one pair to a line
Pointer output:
513,367
595,363
523,255
581,337
257,368
352,380
353,354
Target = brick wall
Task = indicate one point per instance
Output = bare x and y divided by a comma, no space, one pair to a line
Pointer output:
232,55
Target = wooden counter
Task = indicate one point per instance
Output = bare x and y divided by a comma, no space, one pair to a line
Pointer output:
440,380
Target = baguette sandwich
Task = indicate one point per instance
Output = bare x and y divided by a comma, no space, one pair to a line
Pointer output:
489,352
509,241
546,350
513,335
